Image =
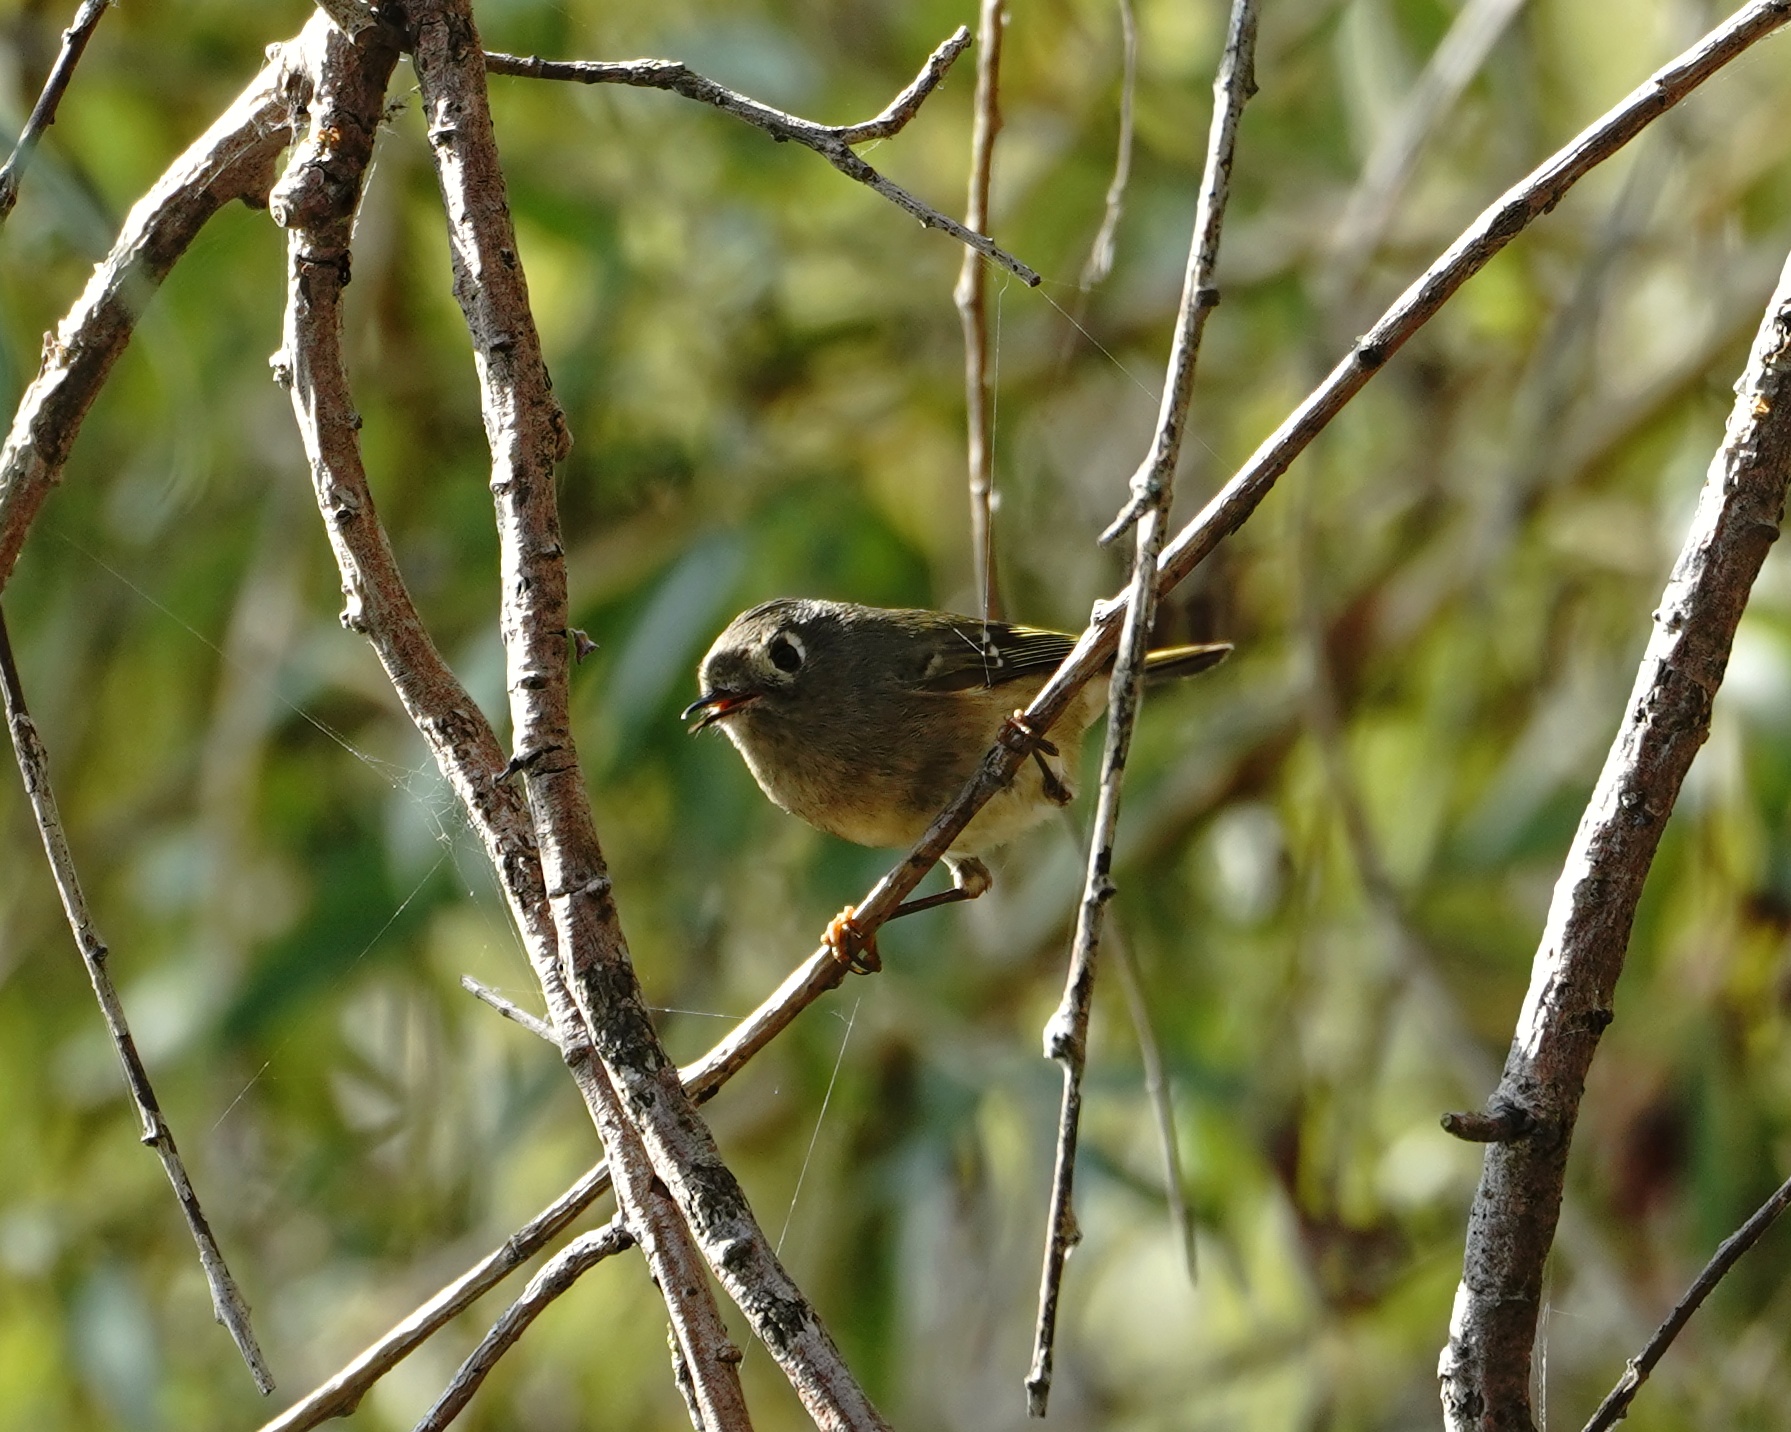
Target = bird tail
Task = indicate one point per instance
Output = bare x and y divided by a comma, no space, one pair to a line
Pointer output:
1173,662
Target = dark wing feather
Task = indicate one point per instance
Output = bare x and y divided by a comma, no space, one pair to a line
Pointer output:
992,654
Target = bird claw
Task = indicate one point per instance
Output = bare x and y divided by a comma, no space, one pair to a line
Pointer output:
1017,735
855,950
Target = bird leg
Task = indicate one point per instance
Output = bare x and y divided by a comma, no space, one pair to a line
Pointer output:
1055,790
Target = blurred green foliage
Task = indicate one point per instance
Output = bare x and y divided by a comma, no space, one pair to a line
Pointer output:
1437,616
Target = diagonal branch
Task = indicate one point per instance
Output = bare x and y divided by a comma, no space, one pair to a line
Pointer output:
702,1080
1066,1033
315,201
527,435
227,1302
557,1275
833,142
1485,1369
1615,1406
43,113
234,159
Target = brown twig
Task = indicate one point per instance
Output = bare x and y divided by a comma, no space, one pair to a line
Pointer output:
1615,1406
43,113
1066,1033
971,296
557,1275
1099,262
315,201
527,436
1485,1369
227,1302
833,142
234,159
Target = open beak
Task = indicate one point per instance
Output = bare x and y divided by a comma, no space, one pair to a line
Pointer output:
713,707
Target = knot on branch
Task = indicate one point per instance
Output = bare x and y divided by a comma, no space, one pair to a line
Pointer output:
1503,1123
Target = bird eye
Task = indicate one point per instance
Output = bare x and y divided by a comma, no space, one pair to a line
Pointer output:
786,652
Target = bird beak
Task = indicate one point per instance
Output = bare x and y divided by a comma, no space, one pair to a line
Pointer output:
714,706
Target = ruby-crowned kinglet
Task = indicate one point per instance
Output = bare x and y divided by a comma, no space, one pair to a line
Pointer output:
866,721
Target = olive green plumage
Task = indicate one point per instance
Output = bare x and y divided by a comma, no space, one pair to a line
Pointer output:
866,721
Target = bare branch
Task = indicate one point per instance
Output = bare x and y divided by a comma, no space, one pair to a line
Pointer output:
342,1393
1615,1406
703,1079
557,1275
971,296
227,1302
832,142
1158,1091
315,201
536,1026
527,435
1099,262
1066,1032
907,104
43,113
234,159
1485,1369
1456,60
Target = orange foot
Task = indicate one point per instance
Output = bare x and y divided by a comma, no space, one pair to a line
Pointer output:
854,949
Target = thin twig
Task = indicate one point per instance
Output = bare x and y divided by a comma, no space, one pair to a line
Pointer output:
315,201
234,159
1615,1406
833,142
1099,262
535,1025
227,1301
557,1275
1456,60
971,296
527,435
342,1393
43,113
1158,1091
1485,1369
1066,1033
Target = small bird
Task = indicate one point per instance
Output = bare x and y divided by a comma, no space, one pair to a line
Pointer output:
867,721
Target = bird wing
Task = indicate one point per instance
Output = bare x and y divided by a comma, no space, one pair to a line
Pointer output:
992,654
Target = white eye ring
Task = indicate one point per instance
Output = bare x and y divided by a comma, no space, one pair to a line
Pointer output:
786,651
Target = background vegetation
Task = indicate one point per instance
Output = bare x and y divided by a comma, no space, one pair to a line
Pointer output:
1337,851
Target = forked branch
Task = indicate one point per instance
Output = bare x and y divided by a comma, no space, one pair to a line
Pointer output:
833,142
